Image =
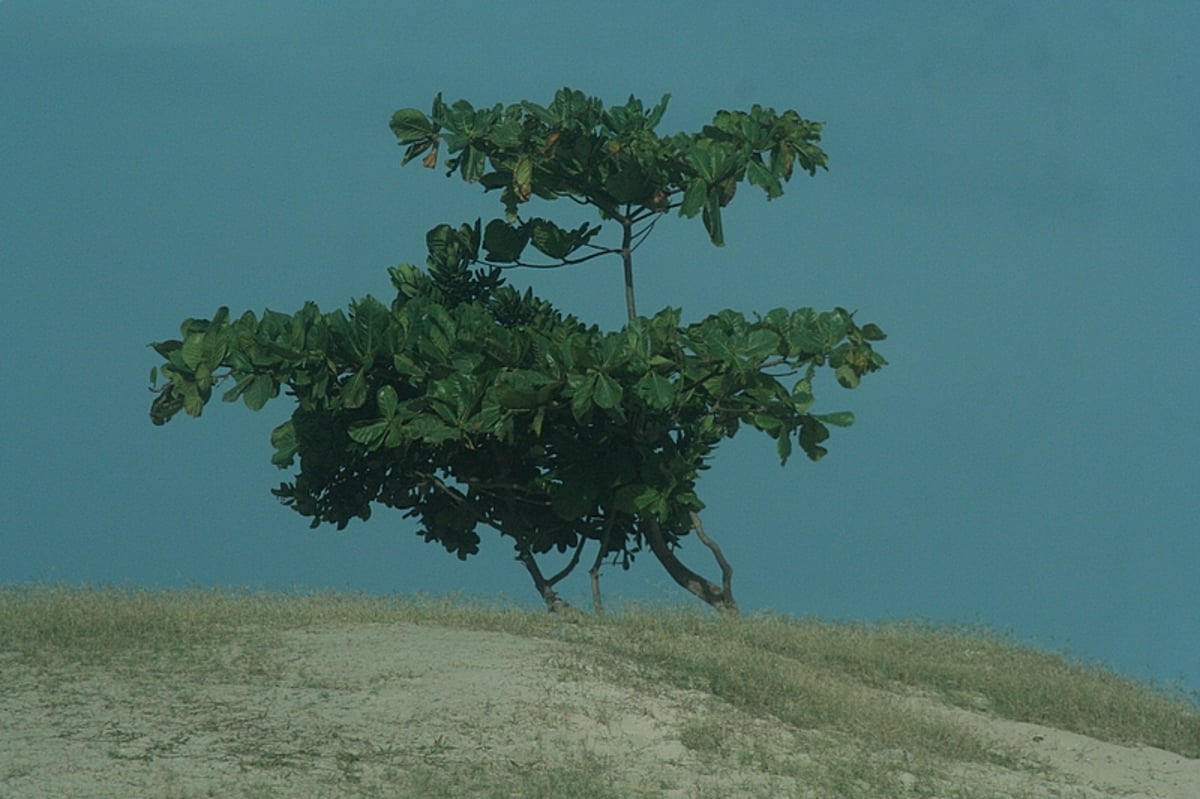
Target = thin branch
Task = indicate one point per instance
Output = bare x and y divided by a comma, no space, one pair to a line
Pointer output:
440,485
642,234
565,261
511,491
726,569
570,566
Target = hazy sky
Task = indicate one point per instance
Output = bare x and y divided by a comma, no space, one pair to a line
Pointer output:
1013,195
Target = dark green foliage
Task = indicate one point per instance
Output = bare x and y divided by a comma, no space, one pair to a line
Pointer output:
492,407
466,403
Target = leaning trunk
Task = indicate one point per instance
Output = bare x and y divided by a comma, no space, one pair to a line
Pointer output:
719,596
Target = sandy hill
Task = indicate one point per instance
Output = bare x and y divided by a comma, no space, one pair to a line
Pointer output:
440,708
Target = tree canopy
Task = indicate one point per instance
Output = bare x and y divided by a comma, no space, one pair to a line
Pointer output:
465,403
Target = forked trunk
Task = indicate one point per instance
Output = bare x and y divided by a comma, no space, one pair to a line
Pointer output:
544,586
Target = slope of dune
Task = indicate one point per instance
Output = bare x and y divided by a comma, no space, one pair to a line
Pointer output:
404,709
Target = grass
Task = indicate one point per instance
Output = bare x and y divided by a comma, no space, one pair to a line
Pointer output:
791,702
811,673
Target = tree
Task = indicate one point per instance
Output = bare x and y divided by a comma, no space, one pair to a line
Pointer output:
466,403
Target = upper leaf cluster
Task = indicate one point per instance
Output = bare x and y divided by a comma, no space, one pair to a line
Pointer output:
610,158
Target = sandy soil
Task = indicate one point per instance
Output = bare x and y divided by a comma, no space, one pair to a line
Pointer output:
357,710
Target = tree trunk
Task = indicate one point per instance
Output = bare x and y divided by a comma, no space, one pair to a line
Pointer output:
627,261
594,572
545,587
720,597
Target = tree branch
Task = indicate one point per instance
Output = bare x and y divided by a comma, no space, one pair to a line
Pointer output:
570,566
726,569
565,261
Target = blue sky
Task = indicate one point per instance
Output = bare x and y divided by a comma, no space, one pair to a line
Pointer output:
1013,195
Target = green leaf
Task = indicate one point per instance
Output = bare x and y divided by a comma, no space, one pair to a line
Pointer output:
388,401
203,380
759,175
283,439
759,344
522,178
500,179
802,395
769,424
705,158
193,351
811,436
712,218
629,184
164,407
549,238
783,445
491,418
503,242
411,125
640,498
366,329
261,389
554,241
472,163
838,419
457,395
427,429
608,392
652,501
833,326
167,348
872,332
193,400
369,433
581,400
354,392
655,390
524,389
693,198
847,376
655,116
778,319
406,366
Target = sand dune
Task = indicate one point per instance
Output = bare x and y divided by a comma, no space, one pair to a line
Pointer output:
374,709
